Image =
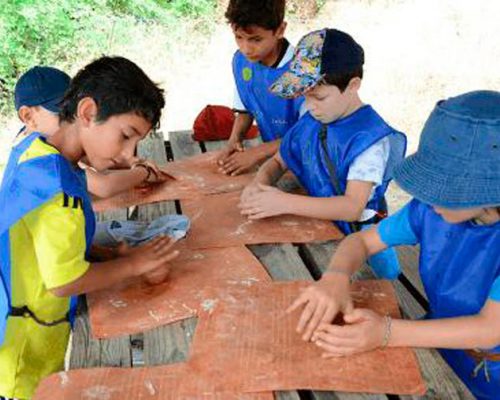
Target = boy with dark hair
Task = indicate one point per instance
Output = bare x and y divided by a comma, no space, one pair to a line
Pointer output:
263,56
38,96
341,151
45,240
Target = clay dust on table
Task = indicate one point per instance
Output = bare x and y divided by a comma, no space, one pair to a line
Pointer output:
193,284
216,221
168,382
251,345
188,178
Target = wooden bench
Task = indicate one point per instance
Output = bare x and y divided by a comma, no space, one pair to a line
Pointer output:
171,343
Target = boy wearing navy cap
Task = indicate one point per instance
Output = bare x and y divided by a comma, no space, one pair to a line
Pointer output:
454,178
342,151
38,94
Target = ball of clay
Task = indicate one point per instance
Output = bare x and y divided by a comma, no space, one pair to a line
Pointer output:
156,277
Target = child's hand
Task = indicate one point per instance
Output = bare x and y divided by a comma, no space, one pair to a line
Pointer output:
364,331
265,202
249,190
322,301
241,161
154,173
154,255
231,147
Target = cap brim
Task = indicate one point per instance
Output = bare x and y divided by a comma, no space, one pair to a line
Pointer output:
289,85
53,105
433,186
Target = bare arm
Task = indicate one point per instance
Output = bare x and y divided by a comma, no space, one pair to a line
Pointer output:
113,182
477,331
267,202
366,330
269,149
355,249
242,124
270,171
345,208
152,256
268,174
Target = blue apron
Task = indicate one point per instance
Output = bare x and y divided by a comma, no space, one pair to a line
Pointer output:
26,186
274,115
347,138
458,266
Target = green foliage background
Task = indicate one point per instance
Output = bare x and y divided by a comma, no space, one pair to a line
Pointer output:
61,32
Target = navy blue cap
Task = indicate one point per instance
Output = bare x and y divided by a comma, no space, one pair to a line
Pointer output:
41,86
340,53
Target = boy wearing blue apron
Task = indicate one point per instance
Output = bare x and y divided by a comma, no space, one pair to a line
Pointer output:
454,178
342,151
264,54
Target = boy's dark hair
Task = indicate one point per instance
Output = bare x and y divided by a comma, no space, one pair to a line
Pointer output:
341,80
118,86
267,14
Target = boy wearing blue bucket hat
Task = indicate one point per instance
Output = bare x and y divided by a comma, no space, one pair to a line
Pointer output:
341,151
454,178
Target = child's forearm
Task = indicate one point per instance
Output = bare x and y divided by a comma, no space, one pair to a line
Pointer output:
269,172
453,333
106,185
339,208
269,149
242,124
102,253
353,252
98,276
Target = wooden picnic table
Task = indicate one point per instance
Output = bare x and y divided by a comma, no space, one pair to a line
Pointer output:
170,344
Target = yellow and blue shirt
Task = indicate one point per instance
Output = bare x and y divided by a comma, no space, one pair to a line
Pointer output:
46,249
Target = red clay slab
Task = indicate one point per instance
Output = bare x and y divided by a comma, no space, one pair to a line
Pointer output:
216,221
193,283
191,177
202,172
170,190
262,351
156,383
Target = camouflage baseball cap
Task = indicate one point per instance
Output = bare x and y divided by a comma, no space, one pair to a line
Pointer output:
318,53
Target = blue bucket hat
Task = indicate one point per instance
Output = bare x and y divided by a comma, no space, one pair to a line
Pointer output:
327,51
457,164
41,86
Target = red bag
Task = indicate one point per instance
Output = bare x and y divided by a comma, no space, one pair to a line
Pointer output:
216,123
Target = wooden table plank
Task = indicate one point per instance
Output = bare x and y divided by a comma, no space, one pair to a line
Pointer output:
167,344
88,352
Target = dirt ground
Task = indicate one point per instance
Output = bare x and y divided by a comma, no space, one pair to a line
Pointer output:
417,52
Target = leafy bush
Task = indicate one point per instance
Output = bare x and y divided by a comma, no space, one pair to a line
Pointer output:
62,32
